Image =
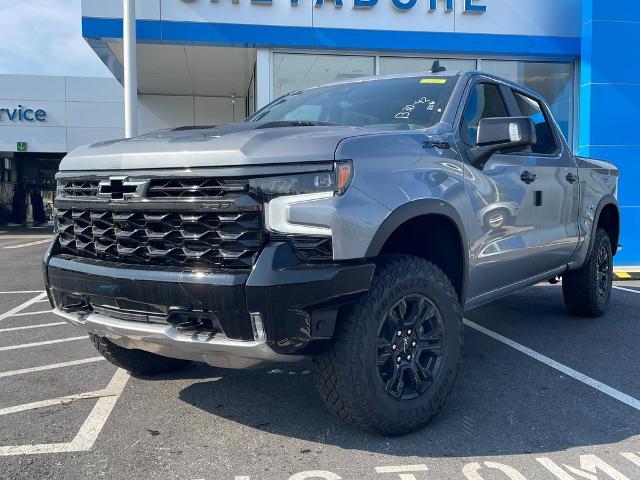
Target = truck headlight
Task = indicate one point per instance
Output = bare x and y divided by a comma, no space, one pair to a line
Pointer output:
334,182
286,193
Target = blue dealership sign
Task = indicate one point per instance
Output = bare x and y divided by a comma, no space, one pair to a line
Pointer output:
470,6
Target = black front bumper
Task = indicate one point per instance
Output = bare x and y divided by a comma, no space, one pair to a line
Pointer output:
298,302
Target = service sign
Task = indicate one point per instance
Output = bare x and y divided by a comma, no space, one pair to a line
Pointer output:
20,113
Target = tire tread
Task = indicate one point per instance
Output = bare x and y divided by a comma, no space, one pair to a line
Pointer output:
340,375
579,287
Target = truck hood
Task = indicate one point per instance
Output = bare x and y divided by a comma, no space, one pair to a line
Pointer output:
227,145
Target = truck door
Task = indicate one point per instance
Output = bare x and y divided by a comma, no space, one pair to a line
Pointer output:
555,189
502,225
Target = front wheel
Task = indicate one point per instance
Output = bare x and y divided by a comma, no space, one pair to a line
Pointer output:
587,290
395,353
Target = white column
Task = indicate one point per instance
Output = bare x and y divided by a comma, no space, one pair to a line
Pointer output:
130,68
263,77
29,221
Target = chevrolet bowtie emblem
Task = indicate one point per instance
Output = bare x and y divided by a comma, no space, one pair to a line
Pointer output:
120,188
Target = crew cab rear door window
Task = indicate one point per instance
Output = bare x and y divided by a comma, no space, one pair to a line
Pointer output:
530,107
485,101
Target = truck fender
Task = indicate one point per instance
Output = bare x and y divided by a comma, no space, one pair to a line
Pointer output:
604,201
418,208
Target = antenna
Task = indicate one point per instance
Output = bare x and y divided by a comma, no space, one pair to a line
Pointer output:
436,68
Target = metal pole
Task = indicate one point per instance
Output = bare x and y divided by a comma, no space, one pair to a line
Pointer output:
130,69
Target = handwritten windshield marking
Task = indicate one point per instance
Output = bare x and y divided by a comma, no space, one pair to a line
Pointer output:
405,113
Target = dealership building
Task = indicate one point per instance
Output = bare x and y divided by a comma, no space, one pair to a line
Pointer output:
204,62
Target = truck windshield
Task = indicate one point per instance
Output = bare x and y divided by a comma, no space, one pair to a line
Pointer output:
407,103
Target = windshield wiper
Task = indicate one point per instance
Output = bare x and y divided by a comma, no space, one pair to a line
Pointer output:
296,123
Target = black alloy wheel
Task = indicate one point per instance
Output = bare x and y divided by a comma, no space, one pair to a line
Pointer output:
603,271
411,344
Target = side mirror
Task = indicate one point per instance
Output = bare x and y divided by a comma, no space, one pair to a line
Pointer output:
504,133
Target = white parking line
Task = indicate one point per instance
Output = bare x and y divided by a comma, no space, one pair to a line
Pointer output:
43,368
26,314
402,469
627,290
30,244
21,307
39,344
91,427
31,327
581,377
24,291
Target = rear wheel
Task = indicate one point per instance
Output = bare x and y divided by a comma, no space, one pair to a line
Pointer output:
396,353
587,290
136,361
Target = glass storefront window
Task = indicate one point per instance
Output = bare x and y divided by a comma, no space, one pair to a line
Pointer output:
397,65
552,80
295,71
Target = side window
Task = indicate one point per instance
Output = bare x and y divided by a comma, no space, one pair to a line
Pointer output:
531,108
485,101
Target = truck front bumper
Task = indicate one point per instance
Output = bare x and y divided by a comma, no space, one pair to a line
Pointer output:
275,312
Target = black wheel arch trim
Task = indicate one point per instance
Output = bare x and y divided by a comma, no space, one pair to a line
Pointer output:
419,208
604,202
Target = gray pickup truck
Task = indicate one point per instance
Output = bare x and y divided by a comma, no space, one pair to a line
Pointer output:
352,223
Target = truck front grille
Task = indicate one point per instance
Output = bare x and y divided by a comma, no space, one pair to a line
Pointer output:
211,239
196,187
159,188
79,188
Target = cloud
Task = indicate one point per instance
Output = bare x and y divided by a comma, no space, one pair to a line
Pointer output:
44,37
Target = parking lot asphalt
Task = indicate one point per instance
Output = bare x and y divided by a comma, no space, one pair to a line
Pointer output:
541,395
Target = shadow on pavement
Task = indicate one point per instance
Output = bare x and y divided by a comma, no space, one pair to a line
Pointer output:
503,403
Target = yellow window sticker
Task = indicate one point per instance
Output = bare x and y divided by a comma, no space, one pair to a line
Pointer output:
438,81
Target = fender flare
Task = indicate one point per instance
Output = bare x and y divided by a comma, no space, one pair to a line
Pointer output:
605,201
419,208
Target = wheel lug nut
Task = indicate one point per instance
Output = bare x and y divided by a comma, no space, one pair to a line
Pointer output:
399,333
414,344
408,332
394,347
408,357
399,359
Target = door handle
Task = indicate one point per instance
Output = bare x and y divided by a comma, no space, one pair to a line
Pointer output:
571,178
528,177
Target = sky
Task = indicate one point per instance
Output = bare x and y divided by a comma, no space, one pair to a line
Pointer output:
44,37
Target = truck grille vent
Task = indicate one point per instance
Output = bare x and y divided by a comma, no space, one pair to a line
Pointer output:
80,188
196,187
216,240
308,248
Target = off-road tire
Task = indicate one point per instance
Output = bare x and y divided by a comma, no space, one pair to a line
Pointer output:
137,362
346,374
580,290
